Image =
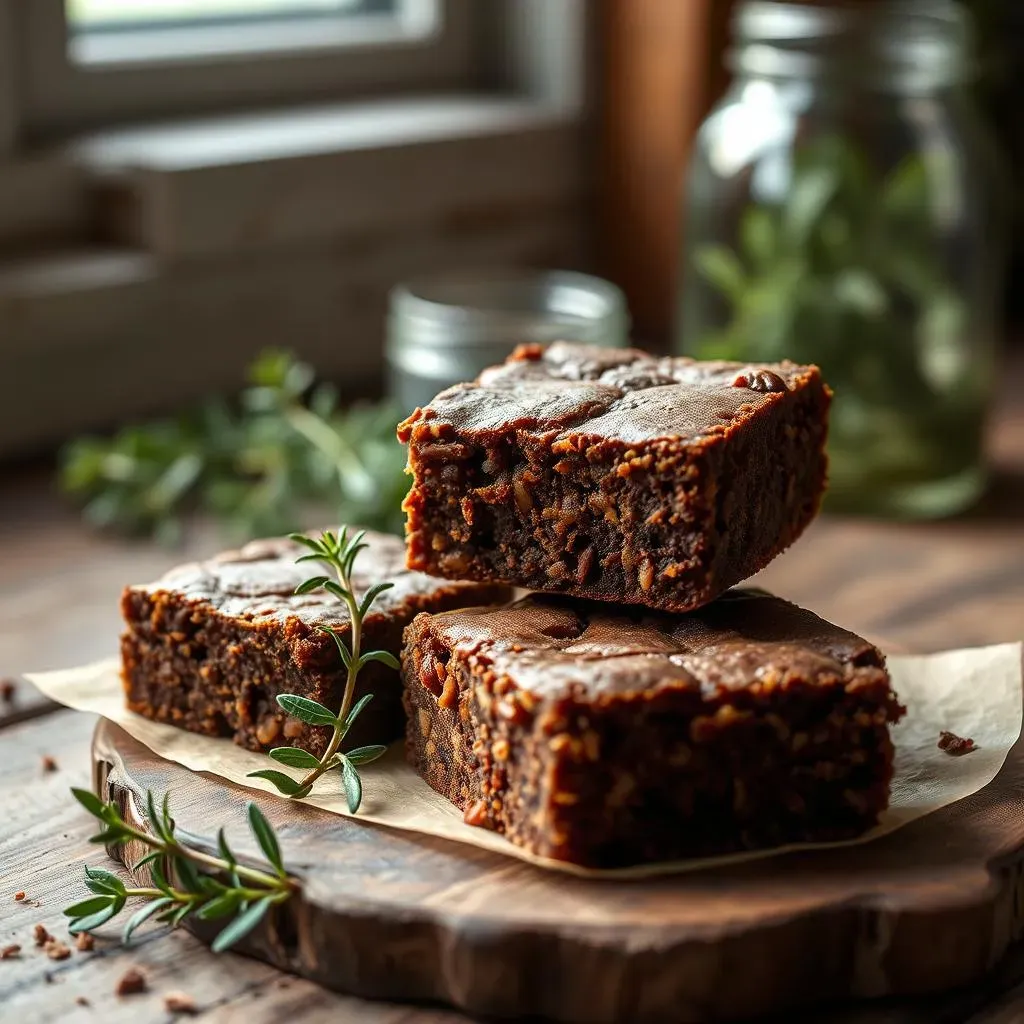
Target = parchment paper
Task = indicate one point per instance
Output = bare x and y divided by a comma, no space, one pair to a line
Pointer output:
975,693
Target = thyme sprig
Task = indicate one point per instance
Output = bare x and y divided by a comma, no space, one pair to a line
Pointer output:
338,553
182,882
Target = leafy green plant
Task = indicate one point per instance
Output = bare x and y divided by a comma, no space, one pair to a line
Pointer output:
338,553
844,273
255,465
848,272
186,882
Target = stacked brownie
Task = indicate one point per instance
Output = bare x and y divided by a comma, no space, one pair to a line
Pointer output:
211,645
585,726
638,711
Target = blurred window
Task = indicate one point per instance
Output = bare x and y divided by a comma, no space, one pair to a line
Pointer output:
98,62
86,16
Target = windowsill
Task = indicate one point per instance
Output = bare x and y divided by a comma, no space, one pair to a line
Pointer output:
309,131
188,45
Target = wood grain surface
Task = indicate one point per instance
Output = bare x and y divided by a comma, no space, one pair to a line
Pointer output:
920,587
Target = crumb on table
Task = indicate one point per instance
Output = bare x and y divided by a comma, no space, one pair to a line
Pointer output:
955,746
10,952
180,1002
42,936
131,983
84,942
56,950
49,763
8,688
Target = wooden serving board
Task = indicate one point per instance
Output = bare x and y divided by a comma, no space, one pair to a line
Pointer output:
384,914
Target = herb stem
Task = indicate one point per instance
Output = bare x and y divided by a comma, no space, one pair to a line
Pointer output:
338,735
177,888
175,849
338,554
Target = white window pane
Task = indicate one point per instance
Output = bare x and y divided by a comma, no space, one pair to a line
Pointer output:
92,15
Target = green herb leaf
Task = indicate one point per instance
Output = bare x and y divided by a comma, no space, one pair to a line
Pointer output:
109,836
106,877
306,710
148,859
265,836
313,583
180,914
141,916
346,655
241,926
353,785
357,709
96,920
188,876
219,907
294,757
384,657
811,192
365,755
371,595
226,853
338,591
722,269
89,906
284,783
90,801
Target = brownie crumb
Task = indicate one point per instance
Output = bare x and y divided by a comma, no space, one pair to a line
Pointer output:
10,952
85,943
49,763
82,1001
179,1002
19,896
42,936
956,746
56,950
132,982
8,688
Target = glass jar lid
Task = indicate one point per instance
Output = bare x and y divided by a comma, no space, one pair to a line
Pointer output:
905,45
490,308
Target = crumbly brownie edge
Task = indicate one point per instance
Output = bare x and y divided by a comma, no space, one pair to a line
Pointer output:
660,524
771,481
648,777
186,664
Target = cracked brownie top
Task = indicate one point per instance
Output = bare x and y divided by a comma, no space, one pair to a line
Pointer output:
621,394
551,645
258,582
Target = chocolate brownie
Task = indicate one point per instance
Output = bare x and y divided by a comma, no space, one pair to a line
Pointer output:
211,645
608,736
615,475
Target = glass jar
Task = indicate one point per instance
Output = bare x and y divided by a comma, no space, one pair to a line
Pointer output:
843,209
446,329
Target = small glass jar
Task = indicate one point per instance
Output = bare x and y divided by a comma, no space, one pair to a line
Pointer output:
844,209
446,329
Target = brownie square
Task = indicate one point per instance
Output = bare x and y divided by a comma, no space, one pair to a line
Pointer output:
615,475
210,646
608,736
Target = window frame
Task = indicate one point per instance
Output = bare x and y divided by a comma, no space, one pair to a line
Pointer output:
430,48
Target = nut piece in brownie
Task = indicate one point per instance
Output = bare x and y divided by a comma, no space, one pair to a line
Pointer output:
609,736
211,645
615,475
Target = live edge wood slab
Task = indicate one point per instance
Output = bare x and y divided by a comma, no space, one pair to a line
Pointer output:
388,915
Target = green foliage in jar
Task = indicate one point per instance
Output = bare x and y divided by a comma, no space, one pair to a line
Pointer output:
257,465
846,273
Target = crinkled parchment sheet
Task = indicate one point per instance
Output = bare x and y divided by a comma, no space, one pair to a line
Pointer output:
975,693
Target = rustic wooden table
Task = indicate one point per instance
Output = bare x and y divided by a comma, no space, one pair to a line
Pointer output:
917,588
